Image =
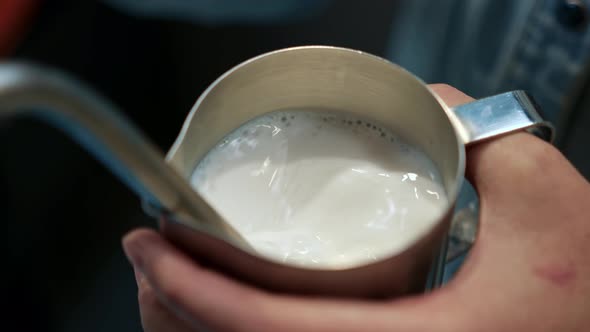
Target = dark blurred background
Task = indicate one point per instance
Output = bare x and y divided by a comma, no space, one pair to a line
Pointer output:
64,214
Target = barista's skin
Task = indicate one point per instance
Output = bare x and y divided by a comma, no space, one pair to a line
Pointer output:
528,270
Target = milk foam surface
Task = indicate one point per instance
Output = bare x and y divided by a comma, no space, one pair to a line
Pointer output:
321,189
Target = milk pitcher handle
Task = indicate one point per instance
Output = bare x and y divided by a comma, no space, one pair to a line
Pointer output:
499,115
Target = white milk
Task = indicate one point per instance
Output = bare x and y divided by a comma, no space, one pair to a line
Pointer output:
320,189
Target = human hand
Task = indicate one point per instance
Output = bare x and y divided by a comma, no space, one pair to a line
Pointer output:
527,271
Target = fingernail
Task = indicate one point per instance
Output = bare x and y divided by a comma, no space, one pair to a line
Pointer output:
132,252
139,277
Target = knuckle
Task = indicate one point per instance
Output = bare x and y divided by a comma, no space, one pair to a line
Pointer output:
164,280
503,168
172,292
442,86
533,158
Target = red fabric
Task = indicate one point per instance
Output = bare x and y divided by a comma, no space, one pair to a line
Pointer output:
14,18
